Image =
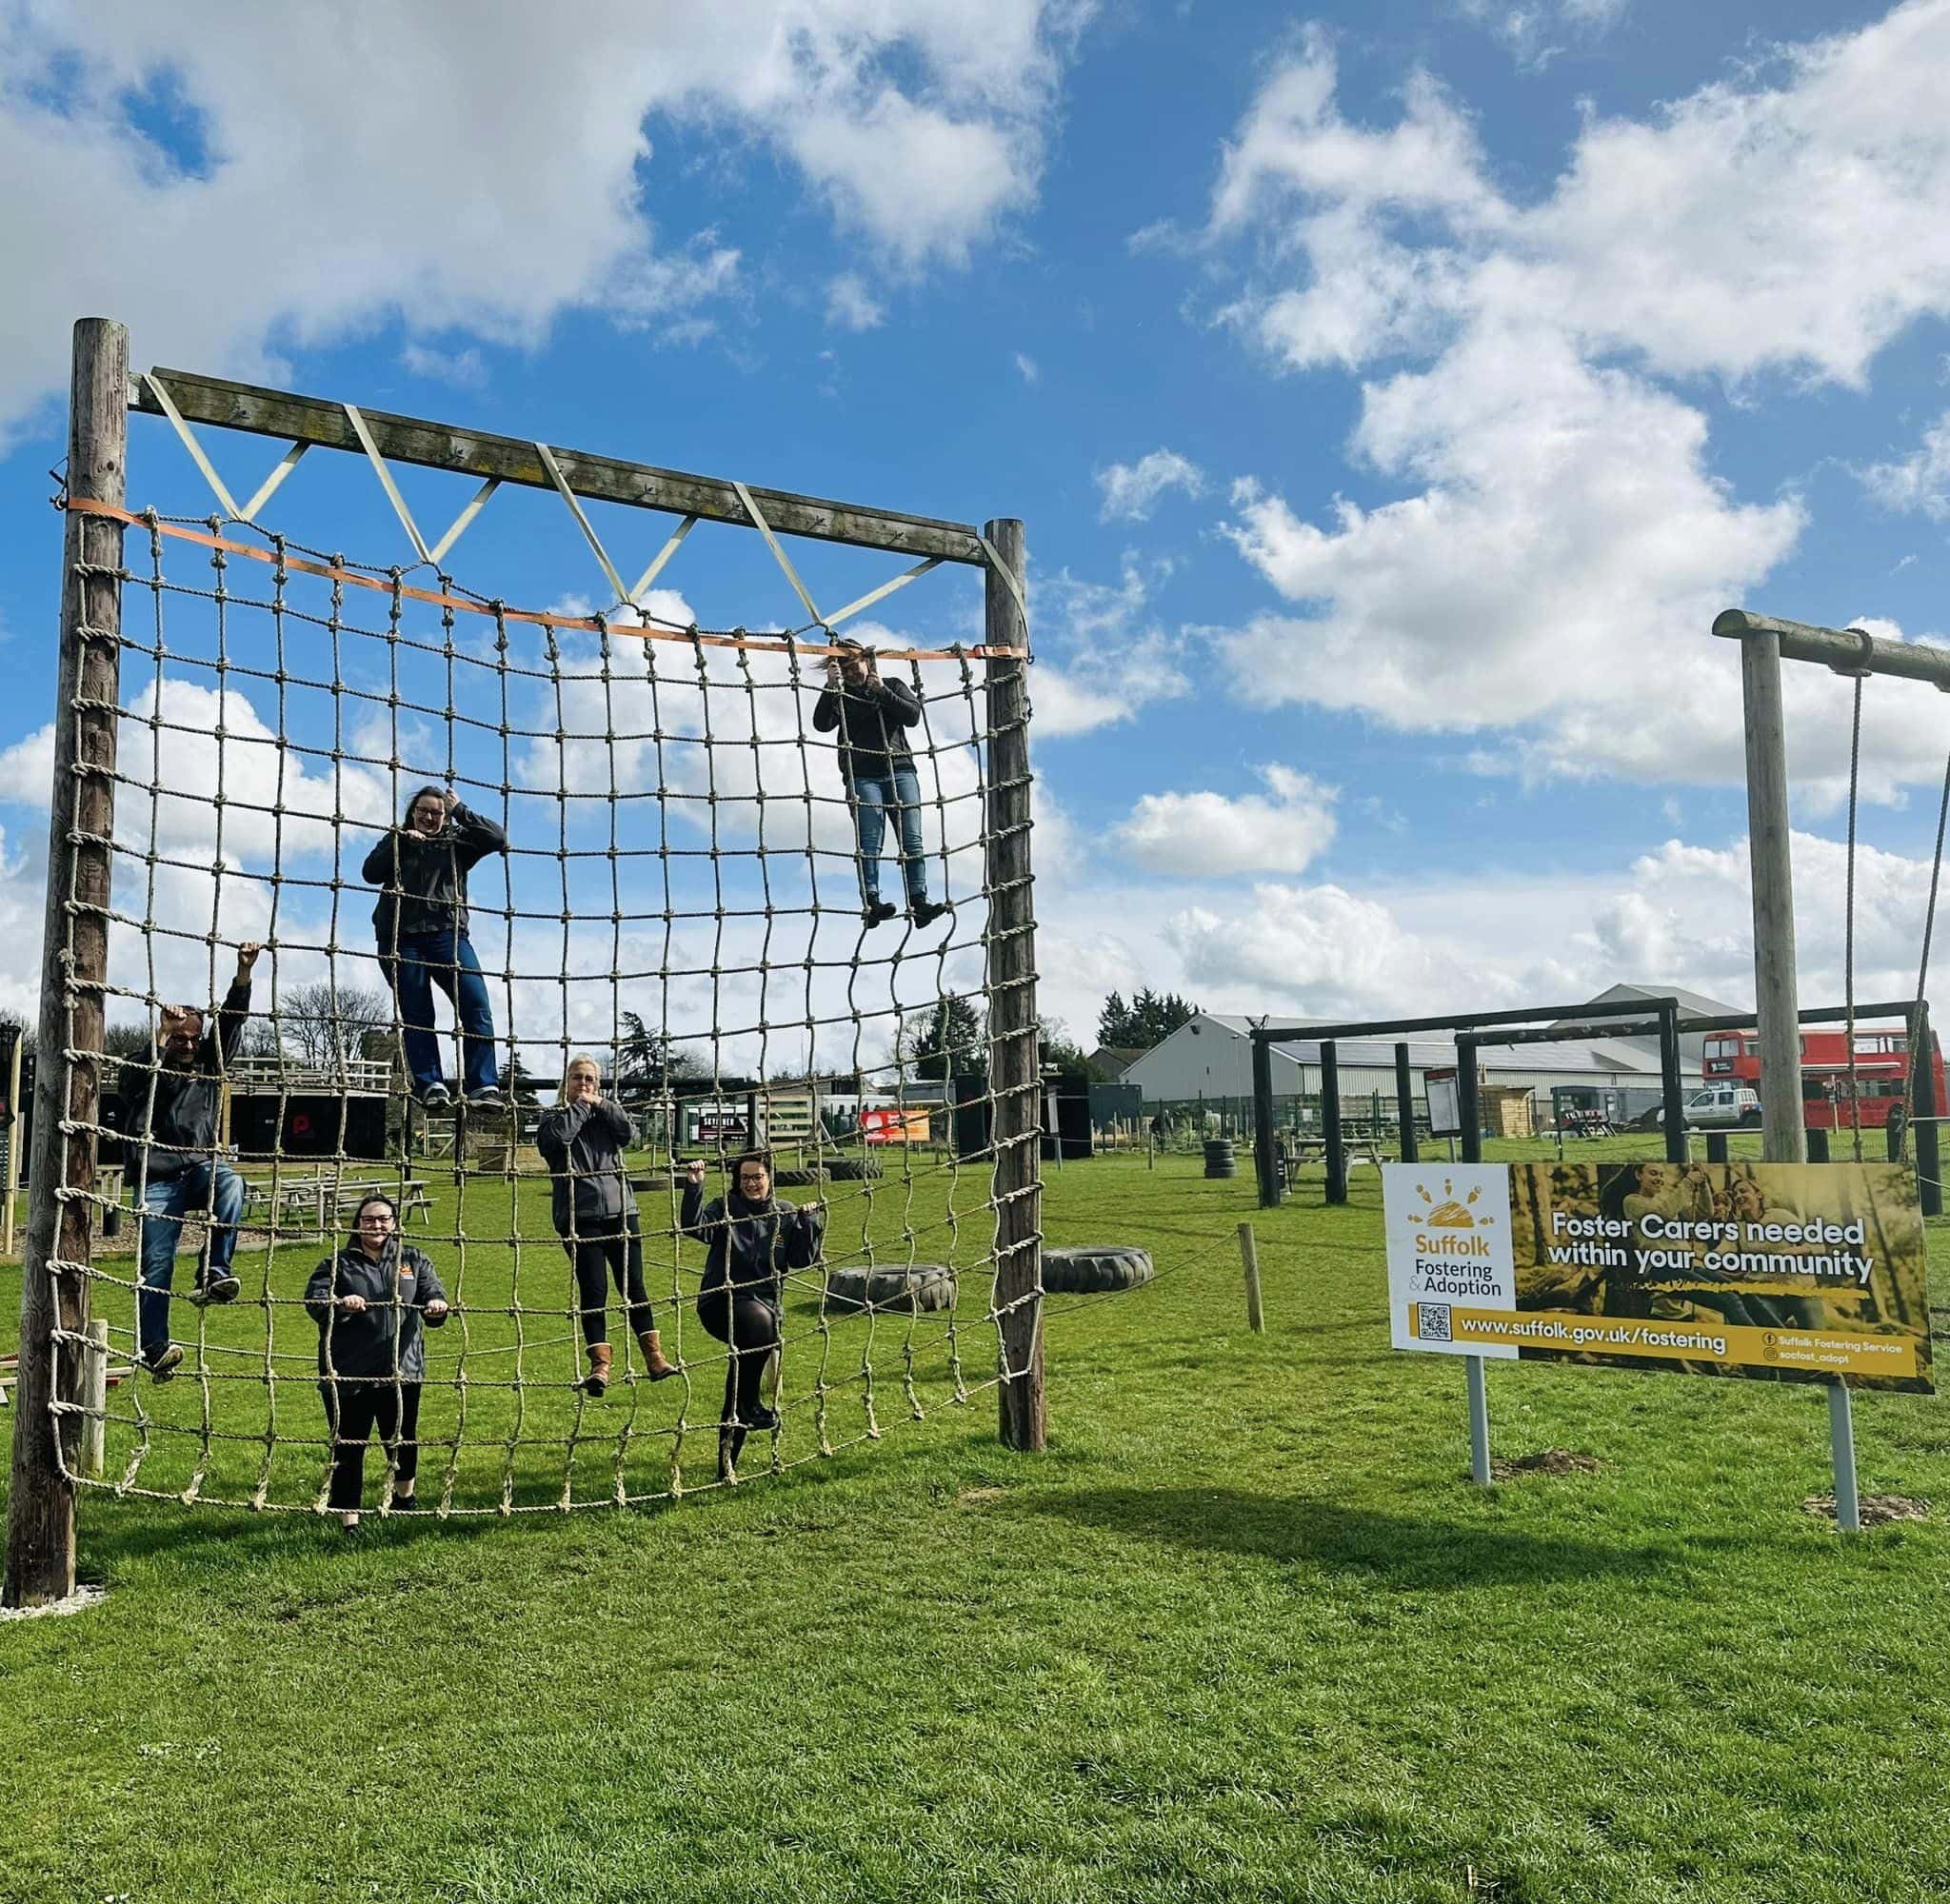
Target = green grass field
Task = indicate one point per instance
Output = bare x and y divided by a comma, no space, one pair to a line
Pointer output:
1244,1630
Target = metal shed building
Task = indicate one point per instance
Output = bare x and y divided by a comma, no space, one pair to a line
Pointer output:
1211,1057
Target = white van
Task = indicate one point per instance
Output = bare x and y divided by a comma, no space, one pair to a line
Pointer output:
1721,1106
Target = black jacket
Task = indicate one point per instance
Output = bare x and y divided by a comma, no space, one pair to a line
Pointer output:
423,876
177,1129
750,1246
583,1147
872,719
384,1338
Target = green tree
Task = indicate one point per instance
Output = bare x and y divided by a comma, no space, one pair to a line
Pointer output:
646,1059
948,1041
1061,1052
1149,1019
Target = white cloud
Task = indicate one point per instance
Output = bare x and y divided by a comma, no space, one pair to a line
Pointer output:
1026,368
1918,483
1537,32
922,126
1131,489
1561,541
852,306
1681,915
1208,835
465,369
1100,657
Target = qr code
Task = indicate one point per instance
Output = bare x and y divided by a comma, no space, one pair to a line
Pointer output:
1432,1322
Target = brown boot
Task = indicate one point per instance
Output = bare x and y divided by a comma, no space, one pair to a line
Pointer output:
654,1364
597,1382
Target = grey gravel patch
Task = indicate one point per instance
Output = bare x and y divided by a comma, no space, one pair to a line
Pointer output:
78,1602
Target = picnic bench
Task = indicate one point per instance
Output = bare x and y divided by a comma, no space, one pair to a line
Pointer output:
316,1202
1314,1150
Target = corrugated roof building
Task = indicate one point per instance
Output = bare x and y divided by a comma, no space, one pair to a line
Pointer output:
1211,1057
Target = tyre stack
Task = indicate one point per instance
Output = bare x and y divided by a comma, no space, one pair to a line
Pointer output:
1221,1158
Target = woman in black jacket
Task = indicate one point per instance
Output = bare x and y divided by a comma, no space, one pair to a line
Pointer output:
751,1240
582,1141
368,1302
421,868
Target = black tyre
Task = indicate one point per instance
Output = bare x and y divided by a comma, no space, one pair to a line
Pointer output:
794,1180
1094,1268
921,1287
851,1169
1750,1120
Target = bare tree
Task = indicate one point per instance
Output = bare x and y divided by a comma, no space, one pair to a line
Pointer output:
324,1026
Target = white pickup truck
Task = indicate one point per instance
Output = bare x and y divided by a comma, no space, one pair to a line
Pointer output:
1722,1106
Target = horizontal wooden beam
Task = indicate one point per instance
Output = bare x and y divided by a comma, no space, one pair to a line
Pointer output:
1841,648
469,452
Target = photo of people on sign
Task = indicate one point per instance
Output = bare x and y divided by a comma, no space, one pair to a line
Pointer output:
1770,1271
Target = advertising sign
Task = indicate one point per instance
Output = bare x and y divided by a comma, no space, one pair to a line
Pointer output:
894,1123
1444,1104
1771,1271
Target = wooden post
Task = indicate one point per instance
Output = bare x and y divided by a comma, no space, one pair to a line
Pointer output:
54,1302
1330,1124
94,1395
1249,1256
1469,1097
1778,1006
1924,1108
1670,1085
1014,1083
1266,1137
1405,1104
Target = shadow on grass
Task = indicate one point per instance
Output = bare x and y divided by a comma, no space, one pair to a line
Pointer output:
1406,1551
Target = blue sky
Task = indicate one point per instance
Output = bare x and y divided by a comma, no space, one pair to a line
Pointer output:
1391,393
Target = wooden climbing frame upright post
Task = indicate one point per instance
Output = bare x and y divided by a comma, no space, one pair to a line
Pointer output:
53,1296
1015,1072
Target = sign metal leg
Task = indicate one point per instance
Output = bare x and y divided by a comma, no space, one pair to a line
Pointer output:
1478,1421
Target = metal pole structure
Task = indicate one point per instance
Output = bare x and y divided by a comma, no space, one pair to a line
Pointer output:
53,1295
1469,1107
1266,1137
1405,1104
1330,1124
1670,1085
1014,1081
1924,1108
1784,1138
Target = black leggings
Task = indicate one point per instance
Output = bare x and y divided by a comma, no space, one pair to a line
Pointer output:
352,1410
603,1250
750,1330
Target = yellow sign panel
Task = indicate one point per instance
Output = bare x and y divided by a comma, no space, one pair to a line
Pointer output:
1783,1271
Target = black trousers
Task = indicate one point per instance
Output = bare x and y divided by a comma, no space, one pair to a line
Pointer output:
353,1409
598,1252
750,1329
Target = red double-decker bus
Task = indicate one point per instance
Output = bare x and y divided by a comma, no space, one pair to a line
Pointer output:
1882,1073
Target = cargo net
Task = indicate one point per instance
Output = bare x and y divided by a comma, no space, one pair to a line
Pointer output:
665,858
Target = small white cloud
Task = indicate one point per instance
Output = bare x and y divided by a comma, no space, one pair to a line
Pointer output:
852,306
1918,483
1028,366
1131,489
1208,835
465,369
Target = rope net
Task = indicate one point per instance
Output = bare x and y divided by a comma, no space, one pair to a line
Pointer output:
692,857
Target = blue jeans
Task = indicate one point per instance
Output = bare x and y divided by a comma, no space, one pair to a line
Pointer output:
165,1205
446,959
872,795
